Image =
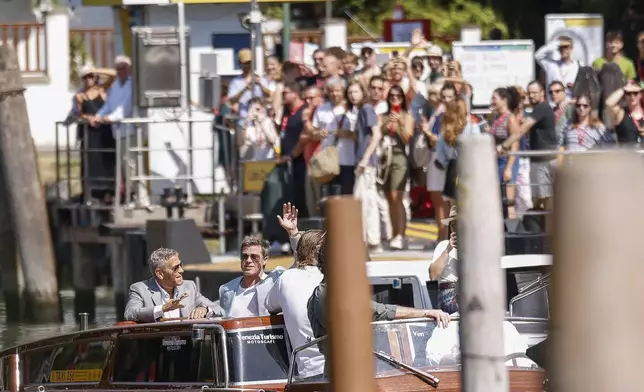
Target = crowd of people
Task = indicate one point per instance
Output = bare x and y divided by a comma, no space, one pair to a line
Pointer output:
383,133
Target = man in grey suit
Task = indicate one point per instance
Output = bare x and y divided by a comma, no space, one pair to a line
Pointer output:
166,294
245,296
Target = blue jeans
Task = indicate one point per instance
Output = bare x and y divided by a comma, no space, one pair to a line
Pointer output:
502,163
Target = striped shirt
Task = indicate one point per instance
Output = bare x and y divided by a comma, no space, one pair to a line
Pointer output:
580,138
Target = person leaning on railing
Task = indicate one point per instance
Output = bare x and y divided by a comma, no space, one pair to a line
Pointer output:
380,312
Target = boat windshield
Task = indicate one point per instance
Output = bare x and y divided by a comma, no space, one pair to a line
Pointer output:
418,343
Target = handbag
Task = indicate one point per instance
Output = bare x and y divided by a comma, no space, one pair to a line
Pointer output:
325,165
420,153
451,179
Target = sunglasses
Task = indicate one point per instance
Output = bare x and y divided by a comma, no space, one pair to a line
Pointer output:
254,257
557,91
631,93
583,105
397,96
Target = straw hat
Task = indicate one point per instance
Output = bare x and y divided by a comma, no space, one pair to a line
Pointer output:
86,70
434,51
453,215
632,87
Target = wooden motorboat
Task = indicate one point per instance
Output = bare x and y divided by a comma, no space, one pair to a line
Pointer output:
249,354
410,356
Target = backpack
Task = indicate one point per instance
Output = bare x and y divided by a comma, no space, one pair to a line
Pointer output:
587,82
612,79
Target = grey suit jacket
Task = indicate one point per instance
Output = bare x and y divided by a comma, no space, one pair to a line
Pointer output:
227,292
145,295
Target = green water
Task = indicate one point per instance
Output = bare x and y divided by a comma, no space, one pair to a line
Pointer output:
12,334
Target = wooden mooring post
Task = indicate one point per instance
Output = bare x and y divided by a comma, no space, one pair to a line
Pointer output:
13,282
481,281
348,298
25,195
595,333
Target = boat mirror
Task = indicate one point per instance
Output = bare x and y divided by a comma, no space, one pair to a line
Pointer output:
198,334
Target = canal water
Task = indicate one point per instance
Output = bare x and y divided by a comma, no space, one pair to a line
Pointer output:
12,334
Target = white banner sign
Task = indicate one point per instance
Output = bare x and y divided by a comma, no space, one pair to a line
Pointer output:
586,31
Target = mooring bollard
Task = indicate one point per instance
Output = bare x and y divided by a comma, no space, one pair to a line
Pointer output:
83,321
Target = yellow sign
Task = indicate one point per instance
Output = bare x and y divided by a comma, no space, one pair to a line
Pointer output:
584,22
255,173
84,375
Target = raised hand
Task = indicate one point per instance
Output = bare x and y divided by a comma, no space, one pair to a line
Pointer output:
174,303
288,220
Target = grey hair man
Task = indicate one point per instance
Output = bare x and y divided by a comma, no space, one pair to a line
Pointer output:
245,296
166,294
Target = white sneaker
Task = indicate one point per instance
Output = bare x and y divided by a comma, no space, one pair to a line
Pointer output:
375,249
396,243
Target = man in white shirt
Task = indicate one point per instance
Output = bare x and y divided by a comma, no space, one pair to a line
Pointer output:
558,66
245,296
118,107
290,295
166,295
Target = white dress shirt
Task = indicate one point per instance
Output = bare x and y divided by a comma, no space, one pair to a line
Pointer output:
290,294
555,69
165,297
245,301
118,107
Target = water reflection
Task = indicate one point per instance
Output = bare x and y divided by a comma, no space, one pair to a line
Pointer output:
11,335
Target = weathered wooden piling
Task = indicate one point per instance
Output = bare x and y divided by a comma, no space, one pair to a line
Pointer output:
25,195
13,283
348,298
596,320
481,279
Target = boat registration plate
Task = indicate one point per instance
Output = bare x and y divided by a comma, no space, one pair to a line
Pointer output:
82,375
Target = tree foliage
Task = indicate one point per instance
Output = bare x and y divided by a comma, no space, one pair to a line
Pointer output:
446,20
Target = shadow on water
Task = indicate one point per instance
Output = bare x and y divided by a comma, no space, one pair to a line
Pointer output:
13,334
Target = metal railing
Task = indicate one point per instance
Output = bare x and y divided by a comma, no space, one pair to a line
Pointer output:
76,147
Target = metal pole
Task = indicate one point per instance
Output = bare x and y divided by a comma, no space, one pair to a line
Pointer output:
255,18
286,31
222,223
181,11
185,94
328,10
481,281
582,350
